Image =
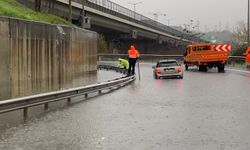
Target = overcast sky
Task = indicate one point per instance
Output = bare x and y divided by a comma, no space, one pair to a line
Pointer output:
211,14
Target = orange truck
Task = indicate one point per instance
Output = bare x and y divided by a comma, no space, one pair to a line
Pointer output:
206,55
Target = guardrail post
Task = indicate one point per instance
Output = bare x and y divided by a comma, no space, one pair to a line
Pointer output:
69,101
25,114
86,95
100,91
46,106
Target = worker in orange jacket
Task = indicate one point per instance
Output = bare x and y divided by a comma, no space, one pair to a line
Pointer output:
247,53
133,55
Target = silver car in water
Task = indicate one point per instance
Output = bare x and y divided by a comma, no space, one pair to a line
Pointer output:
167,68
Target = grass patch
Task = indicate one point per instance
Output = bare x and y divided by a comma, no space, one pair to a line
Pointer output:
238,64
14,9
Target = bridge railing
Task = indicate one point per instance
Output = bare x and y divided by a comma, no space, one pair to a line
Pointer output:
131,14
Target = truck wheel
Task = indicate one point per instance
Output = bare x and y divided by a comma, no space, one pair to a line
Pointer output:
203,68
221,68
200,68
186,67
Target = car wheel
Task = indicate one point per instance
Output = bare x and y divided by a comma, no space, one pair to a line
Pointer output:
155,76
181,77
221,68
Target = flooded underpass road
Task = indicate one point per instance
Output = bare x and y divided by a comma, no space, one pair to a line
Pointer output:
204,111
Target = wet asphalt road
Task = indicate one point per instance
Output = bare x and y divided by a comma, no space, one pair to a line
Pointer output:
204,111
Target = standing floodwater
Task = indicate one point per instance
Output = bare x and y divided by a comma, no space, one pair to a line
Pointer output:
204,111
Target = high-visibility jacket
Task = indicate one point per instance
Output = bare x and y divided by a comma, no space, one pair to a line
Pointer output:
248,58
123,63
133,53
247,53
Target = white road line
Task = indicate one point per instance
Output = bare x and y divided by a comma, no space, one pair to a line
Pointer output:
242,71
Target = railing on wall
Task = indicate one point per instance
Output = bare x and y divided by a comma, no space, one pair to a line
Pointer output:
237,61
232,60
143,57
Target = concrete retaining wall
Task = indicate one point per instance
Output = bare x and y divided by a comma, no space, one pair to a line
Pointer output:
37,57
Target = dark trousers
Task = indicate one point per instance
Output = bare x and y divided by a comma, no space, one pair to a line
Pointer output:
131,69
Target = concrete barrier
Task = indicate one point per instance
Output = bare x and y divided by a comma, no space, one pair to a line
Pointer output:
37,57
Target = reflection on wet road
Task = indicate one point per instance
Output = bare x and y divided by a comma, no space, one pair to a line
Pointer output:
204,111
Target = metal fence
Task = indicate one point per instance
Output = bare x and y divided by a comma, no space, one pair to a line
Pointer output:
143,57
46,98
234,61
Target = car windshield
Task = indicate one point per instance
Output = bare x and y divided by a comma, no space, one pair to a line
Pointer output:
167,64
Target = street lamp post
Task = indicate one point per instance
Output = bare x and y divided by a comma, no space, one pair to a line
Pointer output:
168,20
135,6
248,42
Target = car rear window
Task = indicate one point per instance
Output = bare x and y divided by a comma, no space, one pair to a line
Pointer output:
167,64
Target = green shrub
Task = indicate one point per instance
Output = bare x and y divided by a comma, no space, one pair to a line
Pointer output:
14,9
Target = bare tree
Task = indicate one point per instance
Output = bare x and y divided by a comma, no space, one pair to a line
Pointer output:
70,10
240,32
239,42
102,44
51,3
38,5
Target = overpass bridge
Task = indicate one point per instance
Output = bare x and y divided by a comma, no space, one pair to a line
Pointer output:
119,25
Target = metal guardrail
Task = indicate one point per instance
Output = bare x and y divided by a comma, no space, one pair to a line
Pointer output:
46,98
143,57
109,67
155,55
237,57
237,61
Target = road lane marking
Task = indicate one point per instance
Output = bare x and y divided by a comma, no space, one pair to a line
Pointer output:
242,71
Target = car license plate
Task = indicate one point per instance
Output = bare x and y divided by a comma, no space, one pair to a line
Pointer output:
169,71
